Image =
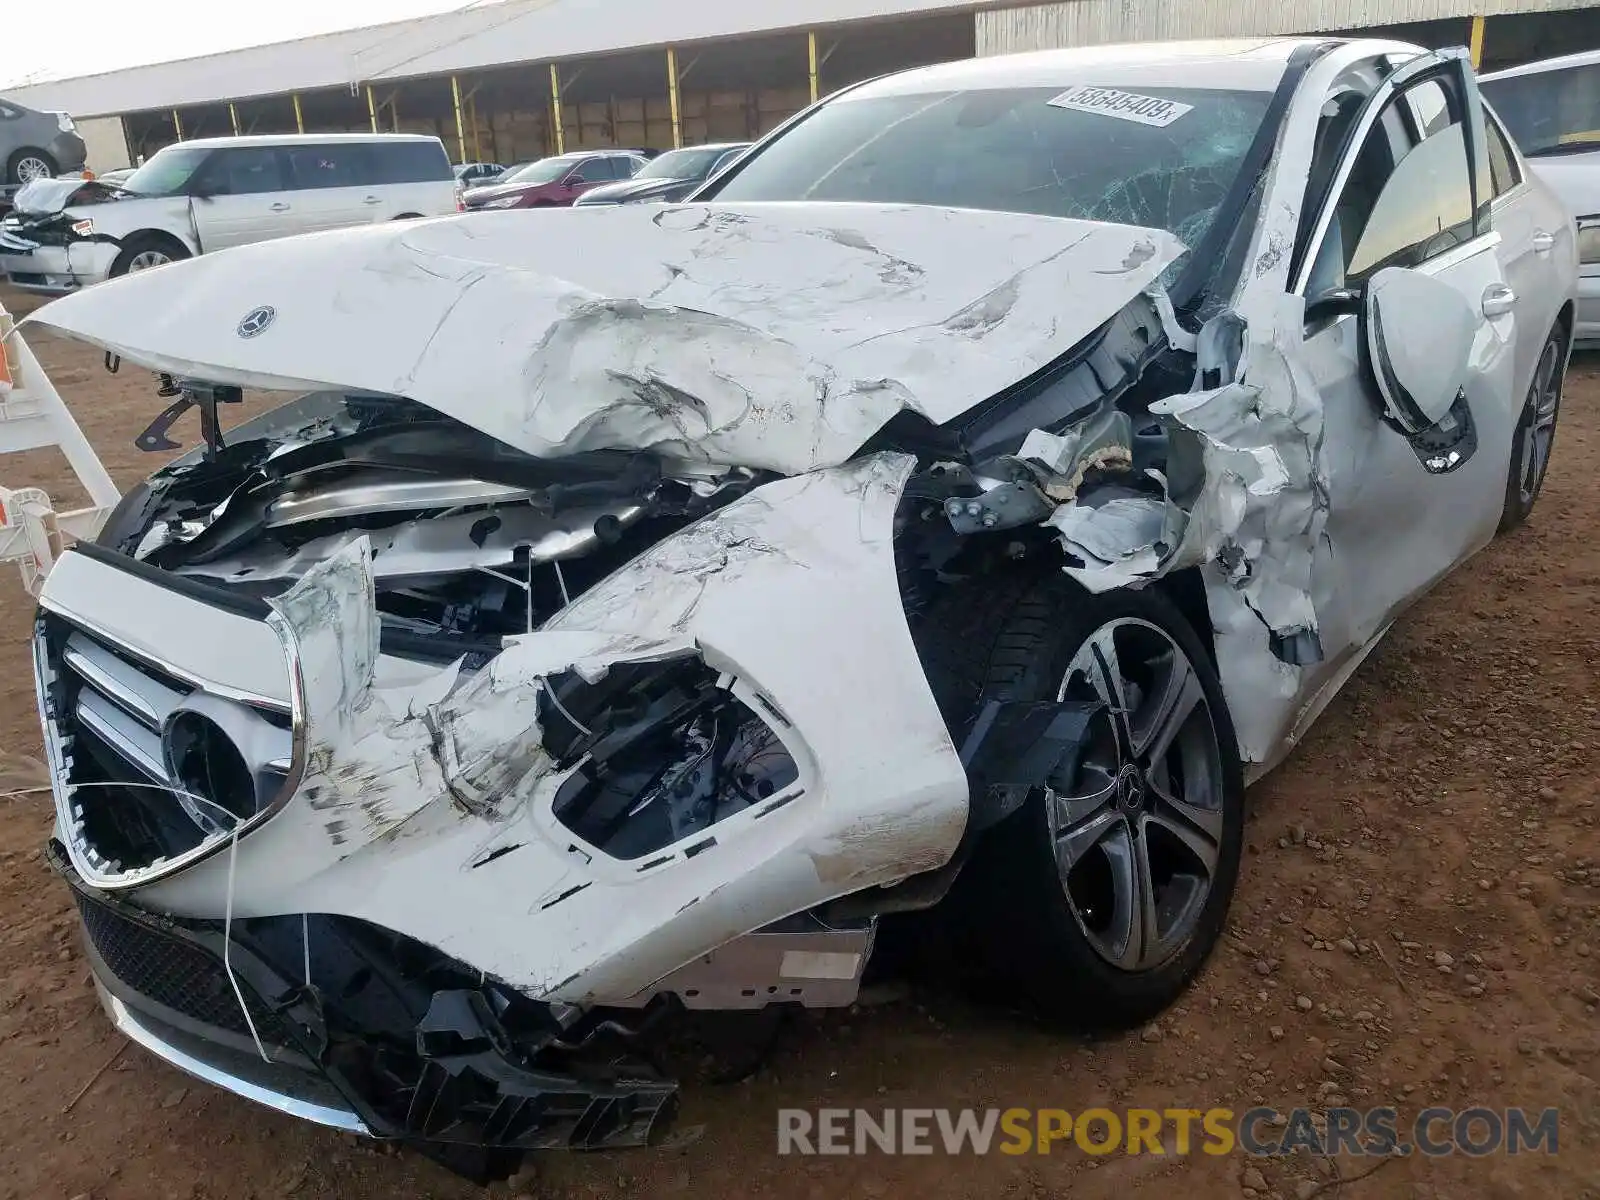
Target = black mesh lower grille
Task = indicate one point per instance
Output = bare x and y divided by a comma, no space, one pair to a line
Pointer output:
173,971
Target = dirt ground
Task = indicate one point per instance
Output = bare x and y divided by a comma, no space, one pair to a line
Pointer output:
1416,925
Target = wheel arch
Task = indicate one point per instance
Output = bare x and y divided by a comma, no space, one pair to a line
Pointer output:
1186,589
161,236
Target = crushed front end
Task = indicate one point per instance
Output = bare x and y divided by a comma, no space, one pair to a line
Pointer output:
361,1029
50,249
553,661
348,846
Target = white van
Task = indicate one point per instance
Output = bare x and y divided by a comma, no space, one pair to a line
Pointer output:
1552,110
211,193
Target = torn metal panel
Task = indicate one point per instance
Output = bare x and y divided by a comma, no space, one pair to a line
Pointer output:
778,336
429,787
1245,497
1104,442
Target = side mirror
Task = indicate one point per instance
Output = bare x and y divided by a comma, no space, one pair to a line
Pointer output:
574,180
1418,333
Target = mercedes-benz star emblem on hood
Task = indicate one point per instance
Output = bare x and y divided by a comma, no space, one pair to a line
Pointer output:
257,321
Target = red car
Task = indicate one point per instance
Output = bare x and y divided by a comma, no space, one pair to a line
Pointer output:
554,182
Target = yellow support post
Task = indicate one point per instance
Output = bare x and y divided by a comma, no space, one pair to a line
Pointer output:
233,117
555,98
811,52
1477,41
299,120
672,95
461,127
177,124
372,109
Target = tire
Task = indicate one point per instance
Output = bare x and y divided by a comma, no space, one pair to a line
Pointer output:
1535,434
24,165
140,252
409,217
1049,940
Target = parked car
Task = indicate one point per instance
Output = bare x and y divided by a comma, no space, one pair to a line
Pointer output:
1552,109
671,177
557,181
212,193
471,175
37,145
999,466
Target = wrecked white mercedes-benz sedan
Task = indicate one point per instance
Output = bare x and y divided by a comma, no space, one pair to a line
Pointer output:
955,505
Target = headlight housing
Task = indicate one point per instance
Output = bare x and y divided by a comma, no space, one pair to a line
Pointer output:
502,202
663,751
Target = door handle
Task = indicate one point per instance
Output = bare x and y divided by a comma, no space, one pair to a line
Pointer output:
1543,242
373,200
280,206
1498,300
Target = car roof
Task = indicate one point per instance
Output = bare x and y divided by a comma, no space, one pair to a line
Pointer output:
1586,59
1247,64
302,139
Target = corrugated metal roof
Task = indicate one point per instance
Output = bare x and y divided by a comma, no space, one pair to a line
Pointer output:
513,31
1091,22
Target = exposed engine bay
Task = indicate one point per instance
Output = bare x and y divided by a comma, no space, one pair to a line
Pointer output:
472,541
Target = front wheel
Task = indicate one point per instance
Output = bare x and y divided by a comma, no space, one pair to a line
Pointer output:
1535,433
146,253
1098,900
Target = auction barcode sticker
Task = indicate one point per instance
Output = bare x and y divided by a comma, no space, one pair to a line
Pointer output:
1129,106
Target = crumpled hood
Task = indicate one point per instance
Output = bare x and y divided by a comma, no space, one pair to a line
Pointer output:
778,336
42,197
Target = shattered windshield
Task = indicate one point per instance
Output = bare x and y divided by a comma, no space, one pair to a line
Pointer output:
1550,112
1164,158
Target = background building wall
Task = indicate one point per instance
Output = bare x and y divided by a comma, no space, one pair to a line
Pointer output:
108,149
1091,22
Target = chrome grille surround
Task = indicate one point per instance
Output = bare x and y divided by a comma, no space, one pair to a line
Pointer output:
123,700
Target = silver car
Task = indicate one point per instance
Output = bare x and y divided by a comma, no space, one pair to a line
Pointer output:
209,194
956,505
1552,109
36,145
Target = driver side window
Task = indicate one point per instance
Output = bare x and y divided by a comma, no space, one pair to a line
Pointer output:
241,171
1408,197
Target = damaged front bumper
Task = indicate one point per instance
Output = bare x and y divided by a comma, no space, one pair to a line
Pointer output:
387,1039
437,823
52,264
